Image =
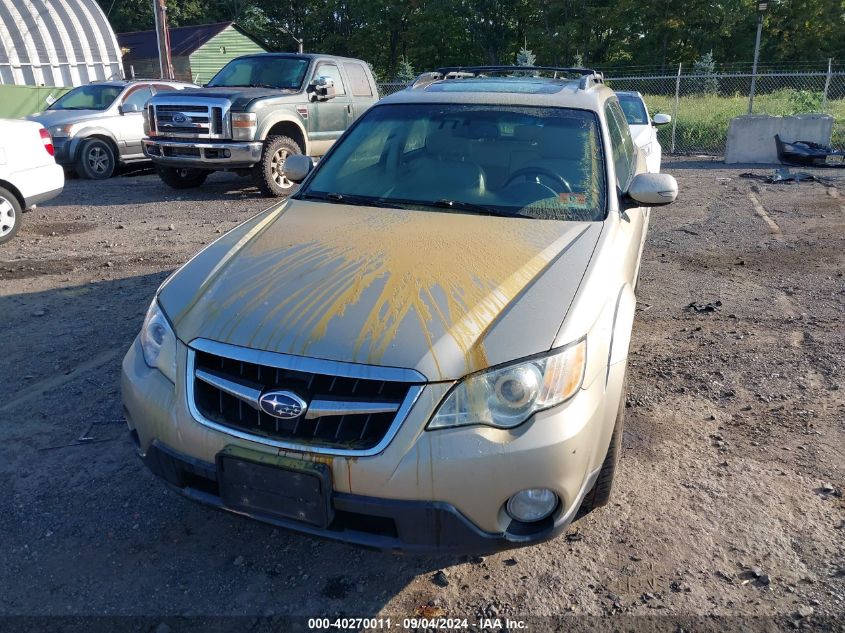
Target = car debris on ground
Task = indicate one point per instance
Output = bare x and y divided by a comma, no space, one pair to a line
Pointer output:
783,175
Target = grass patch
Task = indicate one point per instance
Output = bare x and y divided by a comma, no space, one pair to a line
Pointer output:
702,121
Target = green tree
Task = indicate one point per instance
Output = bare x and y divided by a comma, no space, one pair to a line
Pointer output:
706,66
525,57
432,33
405,73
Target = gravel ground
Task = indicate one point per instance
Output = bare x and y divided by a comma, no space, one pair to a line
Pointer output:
728,503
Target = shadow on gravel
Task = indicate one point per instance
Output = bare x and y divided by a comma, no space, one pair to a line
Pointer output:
141,184
88,530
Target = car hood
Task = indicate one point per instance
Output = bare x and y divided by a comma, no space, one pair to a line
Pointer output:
443,293
240,97
49,118
641,134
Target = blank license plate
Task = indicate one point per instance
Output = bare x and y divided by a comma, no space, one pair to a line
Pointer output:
277,487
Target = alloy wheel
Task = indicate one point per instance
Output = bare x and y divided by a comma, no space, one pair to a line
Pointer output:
98,160
277,168
8,217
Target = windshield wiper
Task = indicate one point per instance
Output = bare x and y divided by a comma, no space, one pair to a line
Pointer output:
345,198
400,203
444,203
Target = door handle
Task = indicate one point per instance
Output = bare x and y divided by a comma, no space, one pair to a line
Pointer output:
349,108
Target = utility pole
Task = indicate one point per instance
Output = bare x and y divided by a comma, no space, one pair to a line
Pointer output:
296,39
762,5
165,62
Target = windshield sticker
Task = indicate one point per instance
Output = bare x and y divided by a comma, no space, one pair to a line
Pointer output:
578,199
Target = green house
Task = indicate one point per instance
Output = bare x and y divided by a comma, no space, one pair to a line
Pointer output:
198,52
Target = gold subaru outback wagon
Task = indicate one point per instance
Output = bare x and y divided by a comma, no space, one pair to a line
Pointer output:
424,348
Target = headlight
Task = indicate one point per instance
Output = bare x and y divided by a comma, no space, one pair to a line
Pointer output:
158,342
243,126
508,396
60,131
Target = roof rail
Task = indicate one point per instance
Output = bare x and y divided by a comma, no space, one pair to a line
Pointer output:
588,76
172,81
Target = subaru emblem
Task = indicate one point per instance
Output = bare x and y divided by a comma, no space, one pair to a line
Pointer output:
179,118
282,404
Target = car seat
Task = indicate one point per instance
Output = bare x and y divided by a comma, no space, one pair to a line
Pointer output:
444,170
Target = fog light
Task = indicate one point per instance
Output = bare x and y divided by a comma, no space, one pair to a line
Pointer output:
227,153
532,504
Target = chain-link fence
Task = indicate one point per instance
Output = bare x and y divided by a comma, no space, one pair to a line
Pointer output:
702,105
386,89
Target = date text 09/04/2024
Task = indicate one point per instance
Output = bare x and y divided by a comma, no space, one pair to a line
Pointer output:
413,623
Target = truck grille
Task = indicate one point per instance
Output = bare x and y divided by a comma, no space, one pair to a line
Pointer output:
343,412
189,120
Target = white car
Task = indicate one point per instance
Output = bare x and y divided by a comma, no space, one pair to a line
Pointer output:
643,127
29,174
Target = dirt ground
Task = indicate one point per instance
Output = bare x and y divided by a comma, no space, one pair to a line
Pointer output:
729,500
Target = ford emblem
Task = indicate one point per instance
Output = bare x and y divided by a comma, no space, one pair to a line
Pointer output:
179,118
282,404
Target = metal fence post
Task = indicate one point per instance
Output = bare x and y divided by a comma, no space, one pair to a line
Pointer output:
754,67
827,83
675,110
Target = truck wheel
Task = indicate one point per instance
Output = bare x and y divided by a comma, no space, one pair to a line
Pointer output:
269,173
182,178
600,494
96,159
10,215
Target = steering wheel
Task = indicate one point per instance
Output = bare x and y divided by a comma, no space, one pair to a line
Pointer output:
539,172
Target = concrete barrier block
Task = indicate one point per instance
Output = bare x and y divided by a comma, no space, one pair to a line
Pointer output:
751,137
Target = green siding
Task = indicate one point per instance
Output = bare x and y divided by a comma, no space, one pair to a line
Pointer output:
150,69
19,101
208,59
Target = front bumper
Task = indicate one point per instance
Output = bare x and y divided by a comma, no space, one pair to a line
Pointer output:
205,155
387,524
440,490
62,146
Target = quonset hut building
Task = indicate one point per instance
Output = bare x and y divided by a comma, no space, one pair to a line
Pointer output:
56,43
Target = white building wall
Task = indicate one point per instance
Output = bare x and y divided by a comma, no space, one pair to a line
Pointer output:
56,43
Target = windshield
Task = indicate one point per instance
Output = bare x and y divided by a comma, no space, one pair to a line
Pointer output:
262,72
542,163
634,109
90,97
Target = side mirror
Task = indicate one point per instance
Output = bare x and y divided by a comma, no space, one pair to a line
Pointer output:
323,88
297,167
127,108
661,119
653,190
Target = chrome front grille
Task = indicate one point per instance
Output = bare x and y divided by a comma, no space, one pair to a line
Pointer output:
184,119
193,118
353,409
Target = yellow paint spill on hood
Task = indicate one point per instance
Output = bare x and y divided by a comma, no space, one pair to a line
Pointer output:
377,286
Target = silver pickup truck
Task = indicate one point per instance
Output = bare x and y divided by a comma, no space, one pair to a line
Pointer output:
253,114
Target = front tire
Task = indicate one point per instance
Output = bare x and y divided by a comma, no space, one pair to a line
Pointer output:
10,215
97,159
600,494
269,172
182,178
